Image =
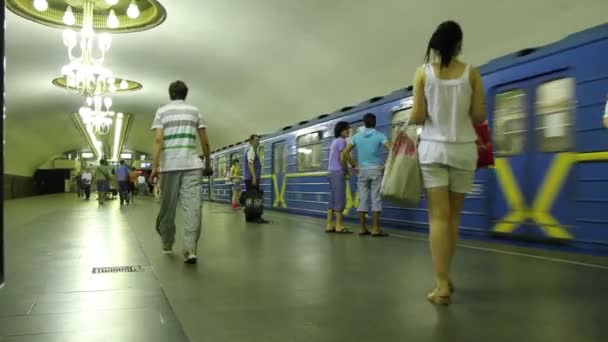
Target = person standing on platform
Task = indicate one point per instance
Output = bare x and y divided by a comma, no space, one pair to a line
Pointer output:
102,176
368,143
179,168
337,173
122,175
236,179
448,100
253,173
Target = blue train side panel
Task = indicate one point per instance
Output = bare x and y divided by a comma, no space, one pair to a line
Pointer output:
550,182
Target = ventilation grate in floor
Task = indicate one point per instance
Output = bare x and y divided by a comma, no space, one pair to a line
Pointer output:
118,269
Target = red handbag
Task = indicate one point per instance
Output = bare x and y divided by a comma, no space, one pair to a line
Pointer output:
485,151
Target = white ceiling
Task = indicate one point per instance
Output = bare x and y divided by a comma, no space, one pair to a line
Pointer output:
257,65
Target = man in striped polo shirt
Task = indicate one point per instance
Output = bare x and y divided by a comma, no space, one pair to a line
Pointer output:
176,159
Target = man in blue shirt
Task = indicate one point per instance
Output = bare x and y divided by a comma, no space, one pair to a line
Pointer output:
122,176
368,142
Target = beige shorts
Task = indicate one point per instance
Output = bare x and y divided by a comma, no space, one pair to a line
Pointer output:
456,180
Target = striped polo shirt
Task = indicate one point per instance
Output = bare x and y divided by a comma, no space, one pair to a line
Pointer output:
180,123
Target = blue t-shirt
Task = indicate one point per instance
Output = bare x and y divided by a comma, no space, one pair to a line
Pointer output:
122,173
368,143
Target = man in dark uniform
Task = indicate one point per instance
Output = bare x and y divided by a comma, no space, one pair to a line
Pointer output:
253,174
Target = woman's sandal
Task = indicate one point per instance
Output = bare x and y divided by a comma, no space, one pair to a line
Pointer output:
438,300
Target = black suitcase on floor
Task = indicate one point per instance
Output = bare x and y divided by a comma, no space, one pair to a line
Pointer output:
253,200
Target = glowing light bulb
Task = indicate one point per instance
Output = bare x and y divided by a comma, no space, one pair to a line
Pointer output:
113,88
111,2
107,102
124,85
120,115
89,101
113,20
41,5
133,10
68,17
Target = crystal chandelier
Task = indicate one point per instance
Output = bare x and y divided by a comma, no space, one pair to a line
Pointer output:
85,73
96,115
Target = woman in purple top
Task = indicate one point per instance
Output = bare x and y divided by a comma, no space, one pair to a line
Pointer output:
337,174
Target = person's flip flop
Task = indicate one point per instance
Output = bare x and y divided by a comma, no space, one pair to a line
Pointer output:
364,233
328,231
344,231
381,234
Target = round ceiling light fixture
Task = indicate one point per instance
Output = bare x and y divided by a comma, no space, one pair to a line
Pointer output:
112,16
115,86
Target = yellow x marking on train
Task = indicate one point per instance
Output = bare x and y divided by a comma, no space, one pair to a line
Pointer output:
547,194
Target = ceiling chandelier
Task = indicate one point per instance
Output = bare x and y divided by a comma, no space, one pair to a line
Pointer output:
85,74
96,114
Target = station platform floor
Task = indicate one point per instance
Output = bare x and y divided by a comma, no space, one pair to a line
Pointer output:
285,281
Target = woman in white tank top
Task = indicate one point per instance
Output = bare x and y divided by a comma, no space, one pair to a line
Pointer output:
448,99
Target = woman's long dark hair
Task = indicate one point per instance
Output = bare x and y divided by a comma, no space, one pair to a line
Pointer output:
446,41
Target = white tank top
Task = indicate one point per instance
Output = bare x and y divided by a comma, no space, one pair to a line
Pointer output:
448,136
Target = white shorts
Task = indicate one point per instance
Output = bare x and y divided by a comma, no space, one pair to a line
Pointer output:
456,180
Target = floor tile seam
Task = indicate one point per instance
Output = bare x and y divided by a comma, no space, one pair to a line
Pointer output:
500,251
161,286
72,313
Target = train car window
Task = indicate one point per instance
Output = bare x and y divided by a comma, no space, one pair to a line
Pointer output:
279,154
355,127
262,154
509,122
554,104
221,166
400,117
310,153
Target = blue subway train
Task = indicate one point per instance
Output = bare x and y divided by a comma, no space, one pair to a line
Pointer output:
550,181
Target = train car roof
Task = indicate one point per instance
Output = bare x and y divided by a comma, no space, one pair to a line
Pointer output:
525,55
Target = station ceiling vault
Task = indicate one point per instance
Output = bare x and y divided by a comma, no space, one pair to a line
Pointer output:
258,65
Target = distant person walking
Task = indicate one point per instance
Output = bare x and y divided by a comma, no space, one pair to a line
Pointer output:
123,176
102,176
142,185
133,183
86,180
175,160
368,142
448,99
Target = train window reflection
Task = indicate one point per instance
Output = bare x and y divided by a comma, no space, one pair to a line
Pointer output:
310,151
509,122
554,103
221,166
279,155
400,118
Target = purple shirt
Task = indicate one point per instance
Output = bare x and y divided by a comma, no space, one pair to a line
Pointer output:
336,148
122,173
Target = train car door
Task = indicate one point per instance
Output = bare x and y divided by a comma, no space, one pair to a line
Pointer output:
279,169
532,134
